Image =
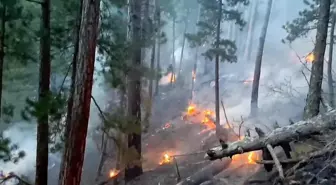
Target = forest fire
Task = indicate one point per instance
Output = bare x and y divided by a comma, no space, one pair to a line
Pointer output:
166,159
191,110
310,57
193,76
248,81
113,173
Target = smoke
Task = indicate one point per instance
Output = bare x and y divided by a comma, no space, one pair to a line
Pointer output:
24,134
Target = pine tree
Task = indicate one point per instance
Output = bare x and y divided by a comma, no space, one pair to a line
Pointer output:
76,142
314,96
213,13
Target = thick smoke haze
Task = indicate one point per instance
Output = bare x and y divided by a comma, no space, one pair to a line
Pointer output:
282,92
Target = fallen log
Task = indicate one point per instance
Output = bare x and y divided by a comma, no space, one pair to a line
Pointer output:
299,130
206,173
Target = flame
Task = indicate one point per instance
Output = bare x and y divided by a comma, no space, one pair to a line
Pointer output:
206,121
172,77
248,81
166,159
310,57
193,76
166,79
191,109
113,173
252,157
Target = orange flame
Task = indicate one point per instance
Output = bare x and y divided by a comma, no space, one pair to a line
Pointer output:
191,109
172,77
248,81
113,173
310,57
252,157
166,159
193,74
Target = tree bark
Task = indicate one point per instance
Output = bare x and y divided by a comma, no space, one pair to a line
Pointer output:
312,107
158,40
134,168
301,129
183,43
250,32
219,19
193,75
152,64
173,53
42,148
257,68
74,152
331,48
2,50
72,88
206,173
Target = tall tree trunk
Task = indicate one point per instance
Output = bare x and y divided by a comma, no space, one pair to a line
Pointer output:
172,79
76,141
2,50
250,32
152,64
194,71
42,148
134,168
257,68
150,87
312,107
158,41
219,20
72,87
331,48
193,75
183,43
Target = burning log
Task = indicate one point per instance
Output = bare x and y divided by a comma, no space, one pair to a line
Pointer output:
206,173
301,129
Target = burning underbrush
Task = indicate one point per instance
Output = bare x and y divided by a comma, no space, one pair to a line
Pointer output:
192,134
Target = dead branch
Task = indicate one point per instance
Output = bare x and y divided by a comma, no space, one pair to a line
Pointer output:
276,162
285,161
301,129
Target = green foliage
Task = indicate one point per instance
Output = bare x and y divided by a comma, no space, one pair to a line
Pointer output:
305,23
207,27
53,105
9,152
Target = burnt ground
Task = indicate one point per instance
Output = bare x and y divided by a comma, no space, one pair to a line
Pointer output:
183,138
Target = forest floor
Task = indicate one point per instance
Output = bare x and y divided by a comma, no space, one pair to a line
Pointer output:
181,140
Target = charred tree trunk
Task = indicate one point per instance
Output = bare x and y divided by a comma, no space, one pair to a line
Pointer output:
152,64
134,168
158,40
331,48
183,43
193,75
2,50
76,141
250,32
219,19
172,79
151,80
312,107
42,148
72,88
257,68
302,130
